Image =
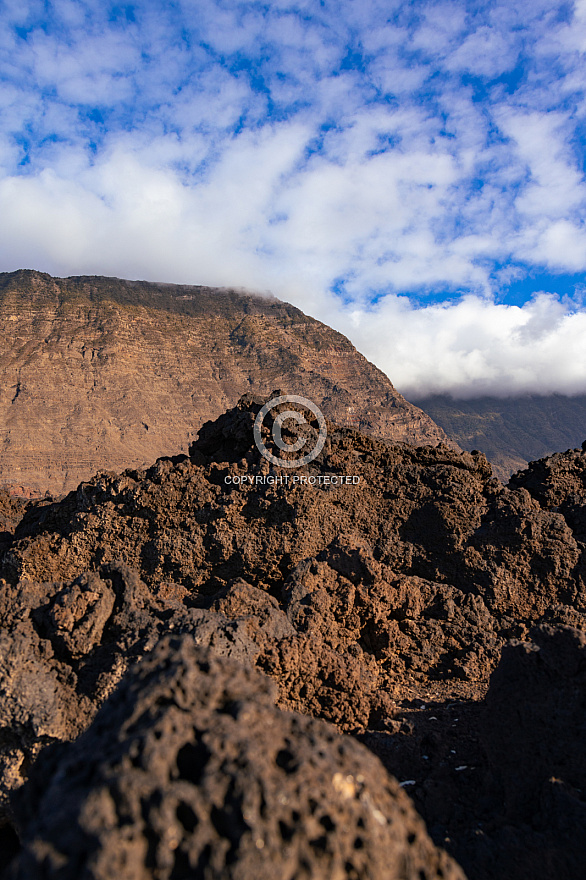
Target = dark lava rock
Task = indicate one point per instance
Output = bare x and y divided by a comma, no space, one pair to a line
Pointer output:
381,605
189,770
558,483
501,782
65,647
204,520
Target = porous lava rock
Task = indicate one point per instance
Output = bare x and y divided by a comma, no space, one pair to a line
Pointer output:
11,512
65,646
381,604
189,770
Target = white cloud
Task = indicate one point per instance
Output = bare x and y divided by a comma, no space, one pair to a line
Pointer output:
474,346
291,147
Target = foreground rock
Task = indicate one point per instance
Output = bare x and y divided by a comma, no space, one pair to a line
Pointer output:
189,770
381,605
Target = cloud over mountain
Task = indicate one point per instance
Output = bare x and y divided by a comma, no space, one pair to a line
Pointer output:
337,156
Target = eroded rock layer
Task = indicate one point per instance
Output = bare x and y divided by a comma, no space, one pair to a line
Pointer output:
98,373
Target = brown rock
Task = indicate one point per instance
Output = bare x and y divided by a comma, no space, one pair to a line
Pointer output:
98,373
190,771
12,509
363,602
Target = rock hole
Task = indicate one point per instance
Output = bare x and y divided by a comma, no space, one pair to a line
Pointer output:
286,831
411,838
222,822
181,867
286,761
327,823
191,761
359,843
319,843
232,708
186,816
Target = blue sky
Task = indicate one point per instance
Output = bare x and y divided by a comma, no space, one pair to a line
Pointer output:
411,173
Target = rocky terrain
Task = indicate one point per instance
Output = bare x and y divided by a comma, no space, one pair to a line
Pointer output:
433,614
99,373
511,431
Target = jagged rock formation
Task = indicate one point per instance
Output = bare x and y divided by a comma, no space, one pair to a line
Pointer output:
382,605
103,374
211,780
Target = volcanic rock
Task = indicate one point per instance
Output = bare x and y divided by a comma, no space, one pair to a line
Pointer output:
533,732
381,603
189,770
11,512
418,573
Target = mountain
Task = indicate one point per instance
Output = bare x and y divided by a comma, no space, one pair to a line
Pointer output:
420,606
99,373
511,431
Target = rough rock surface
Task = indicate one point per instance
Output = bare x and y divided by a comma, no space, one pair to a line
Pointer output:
102,373
11,512
190,771
381,605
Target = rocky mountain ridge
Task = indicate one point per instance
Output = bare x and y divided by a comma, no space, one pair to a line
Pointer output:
434,614
100,373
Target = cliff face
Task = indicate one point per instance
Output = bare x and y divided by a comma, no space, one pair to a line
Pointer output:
102,374
511,431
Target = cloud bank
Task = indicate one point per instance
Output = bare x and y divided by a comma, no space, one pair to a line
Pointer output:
391,169
476,347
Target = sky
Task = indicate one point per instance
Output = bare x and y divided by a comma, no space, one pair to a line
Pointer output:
411,173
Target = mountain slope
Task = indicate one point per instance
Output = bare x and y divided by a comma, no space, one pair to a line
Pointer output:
511,431
98,373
